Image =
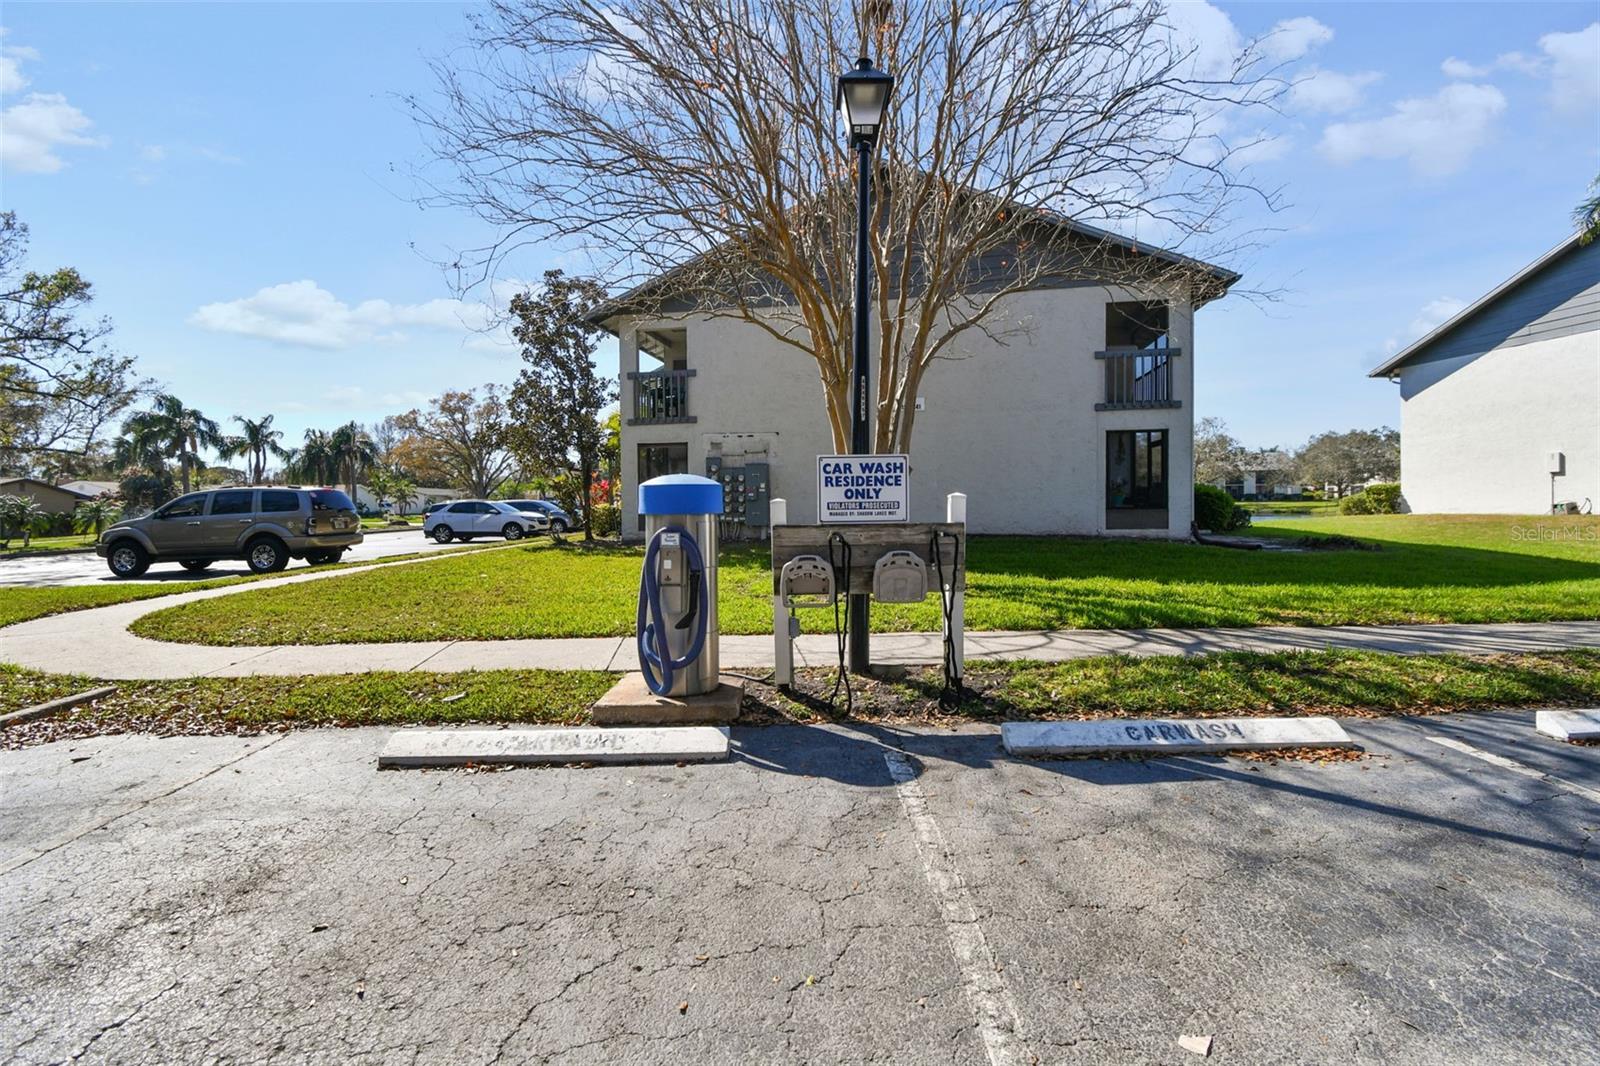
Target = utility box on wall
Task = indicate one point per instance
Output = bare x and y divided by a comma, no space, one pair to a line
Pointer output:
746,480
1556,462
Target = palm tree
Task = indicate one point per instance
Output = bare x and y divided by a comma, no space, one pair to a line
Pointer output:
92,515
22,514
176,431
402,491
257,441
137,450
316,458
351,447
291,464
1587,215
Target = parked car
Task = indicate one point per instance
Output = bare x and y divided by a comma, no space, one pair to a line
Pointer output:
432,507
560,521
465,519
266,527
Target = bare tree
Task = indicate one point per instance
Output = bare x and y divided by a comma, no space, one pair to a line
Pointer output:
695,142
1218,456
466,436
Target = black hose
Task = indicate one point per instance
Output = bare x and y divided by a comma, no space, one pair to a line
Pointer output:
950,695
841,624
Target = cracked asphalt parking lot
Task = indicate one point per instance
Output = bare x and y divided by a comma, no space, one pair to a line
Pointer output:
276,899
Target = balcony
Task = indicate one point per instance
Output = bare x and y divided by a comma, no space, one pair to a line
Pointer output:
660,397
1138,378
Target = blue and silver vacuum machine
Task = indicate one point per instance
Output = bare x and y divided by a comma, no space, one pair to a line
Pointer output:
677,622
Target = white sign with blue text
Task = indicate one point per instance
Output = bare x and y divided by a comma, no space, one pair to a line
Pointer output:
863,488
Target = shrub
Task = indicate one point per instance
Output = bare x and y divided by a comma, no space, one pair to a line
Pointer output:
1358,503
607,520
1374,499
1385,497
1217,511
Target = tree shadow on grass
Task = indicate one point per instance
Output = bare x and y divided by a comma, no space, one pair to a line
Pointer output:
1107,583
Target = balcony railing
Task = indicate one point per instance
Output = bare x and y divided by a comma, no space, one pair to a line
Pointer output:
660,396
1138,378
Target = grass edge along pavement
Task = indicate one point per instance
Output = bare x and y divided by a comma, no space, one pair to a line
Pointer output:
1429,569
23,603
1232,684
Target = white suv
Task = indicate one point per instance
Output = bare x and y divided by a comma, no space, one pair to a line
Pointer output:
465,519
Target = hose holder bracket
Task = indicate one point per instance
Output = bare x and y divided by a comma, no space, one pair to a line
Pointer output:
807,581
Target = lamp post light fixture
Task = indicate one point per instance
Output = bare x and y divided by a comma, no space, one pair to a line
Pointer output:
863,98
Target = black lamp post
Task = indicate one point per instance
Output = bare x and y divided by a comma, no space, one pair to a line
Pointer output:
863,98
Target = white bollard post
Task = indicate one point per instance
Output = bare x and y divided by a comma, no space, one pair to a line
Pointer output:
782,641
955,510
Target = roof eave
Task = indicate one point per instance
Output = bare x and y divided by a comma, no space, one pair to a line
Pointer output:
1388,367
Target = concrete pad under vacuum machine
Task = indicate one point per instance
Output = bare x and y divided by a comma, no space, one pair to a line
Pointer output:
630,702
412,748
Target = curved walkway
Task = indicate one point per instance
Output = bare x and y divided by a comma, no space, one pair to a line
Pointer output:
96,642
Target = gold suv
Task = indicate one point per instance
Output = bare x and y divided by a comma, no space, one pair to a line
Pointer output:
266,527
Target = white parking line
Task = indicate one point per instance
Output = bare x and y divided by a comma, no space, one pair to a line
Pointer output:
1514,766
998,1021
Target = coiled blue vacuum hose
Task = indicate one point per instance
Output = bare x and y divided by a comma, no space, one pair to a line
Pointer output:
655,655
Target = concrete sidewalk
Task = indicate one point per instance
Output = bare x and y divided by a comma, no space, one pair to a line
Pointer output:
97,643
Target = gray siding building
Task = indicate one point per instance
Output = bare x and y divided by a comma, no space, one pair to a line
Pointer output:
1500,406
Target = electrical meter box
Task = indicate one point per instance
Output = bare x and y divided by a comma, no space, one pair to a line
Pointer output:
747,492
1556,462
900,577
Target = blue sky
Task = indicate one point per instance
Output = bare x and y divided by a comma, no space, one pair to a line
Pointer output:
237,181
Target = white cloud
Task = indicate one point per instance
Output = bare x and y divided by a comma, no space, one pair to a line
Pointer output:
304,313
12,56
215,156
1209,35
152,153
1568,60
12,80
1461,70
1435,134
32,131
1294,38
1573,59
1329,92
1433,314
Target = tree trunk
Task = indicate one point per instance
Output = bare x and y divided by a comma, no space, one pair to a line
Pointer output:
585,501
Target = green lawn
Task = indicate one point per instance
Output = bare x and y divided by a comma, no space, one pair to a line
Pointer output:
1339,683
1474,569
47,544
1295,507
21,604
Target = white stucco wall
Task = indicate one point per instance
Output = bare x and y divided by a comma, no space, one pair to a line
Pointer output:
1014,426
1475,431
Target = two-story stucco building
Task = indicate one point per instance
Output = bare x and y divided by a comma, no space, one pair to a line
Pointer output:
1500,406
1081,422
